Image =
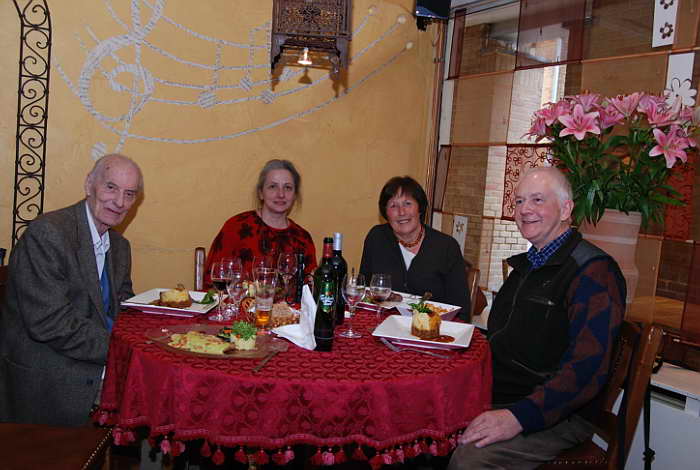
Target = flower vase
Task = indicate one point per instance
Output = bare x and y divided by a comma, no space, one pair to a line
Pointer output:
616,233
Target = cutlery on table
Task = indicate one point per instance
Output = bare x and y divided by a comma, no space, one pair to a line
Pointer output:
396,348
265,360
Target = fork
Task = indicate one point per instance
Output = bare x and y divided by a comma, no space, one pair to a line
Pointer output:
396,348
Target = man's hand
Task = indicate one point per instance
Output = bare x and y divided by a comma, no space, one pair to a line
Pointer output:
489,427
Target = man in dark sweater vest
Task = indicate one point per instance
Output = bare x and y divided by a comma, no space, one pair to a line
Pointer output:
552,330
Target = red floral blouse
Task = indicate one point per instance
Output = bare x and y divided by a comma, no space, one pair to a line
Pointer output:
246,235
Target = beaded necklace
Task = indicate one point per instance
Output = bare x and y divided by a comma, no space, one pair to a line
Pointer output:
414,242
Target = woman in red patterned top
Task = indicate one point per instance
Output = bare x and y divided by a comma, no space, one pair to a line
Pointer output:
267,230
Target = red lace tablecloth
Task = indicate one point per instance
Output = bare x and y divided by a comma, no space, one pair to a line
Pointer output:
360,393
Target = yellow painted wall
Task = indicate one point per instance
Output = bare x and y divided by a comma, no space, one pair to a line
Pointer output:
200,162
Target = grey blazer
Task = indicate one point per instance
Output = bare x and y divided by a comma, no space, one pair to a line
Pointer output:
53,333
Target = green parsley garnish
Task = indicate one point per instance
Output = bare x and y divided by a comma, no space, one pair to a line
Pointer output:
421,307
243,329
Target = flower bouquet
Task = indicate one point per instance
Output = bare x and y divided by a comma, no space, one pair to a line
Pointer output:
611,150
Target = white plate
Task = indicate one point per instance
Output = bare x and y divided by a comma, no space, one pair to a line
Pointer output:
398,328
142,301
405,309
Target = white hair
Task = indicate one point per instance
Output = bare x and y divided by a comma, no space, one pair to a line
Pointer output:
561,187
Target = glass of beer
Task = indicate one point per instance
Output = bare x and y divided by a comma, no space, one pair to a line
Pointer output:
265,288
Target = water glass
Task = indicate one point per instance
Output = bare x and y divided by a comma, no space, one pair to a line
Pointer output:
237,288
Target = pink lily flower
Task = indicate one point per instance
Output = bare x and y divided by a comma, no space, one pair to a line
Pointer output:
579,122
610,116
687,140
627,104
552,112
659,100
657,113
588,100
670,145
538,129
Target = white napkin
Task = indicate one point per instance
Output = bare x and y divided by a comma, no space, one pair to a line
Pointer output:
302,334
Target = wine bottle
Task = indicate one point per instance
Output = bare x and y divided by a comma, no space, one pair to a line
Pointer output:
340,267
325,291
299,277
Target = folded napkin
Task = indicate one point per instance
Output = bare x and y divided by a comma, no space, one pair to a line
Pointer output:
302,334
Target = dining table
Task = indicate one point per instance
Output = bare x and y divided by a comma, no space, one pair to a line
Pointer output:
360,401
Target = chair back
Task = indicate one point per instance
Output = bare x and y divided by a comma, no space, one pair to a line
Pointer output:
4,273
630,371
477,298
40,446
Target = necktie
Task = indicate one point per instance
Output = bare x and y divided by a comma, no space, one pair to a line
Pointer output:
106,295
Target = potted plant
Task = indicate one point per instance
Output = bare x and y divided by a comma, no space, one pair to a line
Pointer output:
617,152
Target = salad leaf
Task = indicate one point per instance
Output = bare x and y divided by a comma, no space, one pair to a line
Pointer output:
209,298
243,329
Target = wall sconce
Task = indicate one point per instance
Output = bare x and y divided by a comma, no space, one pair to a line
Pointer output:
304,59
318,26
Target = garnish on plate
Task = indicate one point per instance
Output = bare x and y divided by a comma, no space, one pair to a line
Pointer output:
421,307
243,329
242,334
208,298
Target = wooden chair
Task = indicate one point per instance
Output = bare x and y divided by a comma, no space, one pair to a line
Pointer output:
38,446
478,299
631,369
505,269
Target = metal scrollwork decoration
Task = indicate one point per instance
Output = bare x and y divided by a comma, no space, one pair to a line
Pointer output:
518,159
32,112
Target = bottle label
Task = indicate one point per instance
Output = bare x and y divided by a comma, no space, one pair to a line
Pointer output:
326,298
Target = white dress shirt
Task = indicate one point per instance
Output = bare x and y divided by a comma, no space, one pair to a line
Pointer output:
100,243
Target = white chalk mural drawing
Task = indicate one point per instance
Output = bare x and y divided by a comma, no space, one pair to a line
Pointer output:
132,78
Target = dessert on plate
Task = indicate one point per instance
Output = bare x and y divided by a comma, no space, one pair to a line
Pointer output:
425,323
176,298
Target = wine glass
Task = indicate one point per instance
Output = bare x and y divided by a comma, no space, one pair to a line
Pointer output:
287,267
380,289
220,275
237,288
353,290
232,265
262,262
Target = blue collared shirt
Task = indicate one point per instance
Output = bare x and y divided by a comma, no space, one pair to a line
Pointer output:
538,258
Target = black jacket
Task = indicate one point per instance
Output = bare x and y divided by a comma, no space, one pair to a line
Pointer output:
438,266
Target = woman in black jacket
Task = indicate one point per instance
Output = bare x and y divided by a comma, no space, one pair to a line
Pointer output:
418,258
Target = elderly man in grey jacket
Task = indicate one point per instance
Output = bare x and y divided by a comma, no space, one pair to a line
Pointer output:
68,274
